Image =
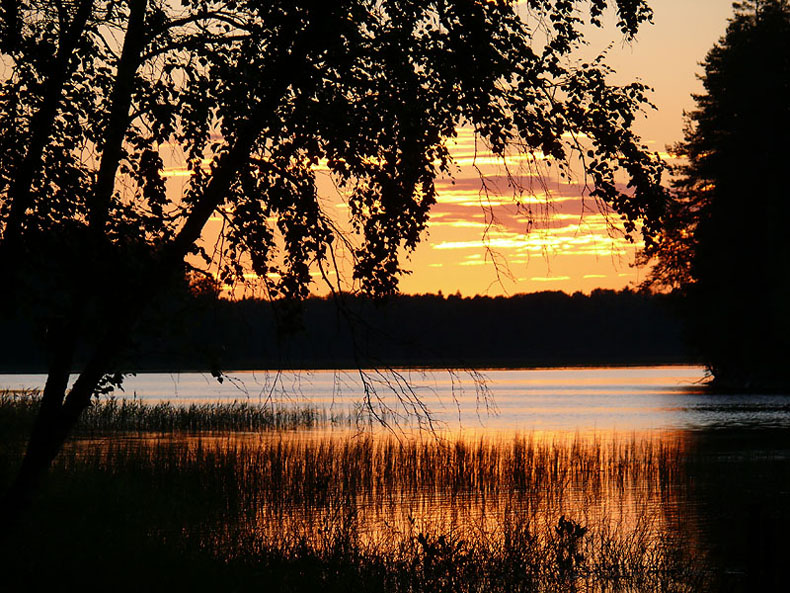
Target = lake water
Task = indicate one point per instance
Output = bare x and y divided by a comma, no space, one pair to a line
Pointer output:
626,451
572,399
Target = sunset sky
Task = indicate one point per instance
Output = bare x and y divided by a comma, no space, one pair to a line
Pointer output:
479,243
574,251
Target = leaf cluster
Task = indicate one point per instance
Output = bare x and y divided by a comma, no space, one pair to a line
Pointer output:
125,126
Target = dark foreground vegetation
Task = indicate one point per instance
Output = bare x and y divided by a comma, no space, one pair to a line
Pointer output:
111,415
539,329
304,510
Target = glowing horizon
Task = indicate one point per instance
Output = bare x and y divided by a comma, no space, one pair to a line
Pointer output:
571,246
543,233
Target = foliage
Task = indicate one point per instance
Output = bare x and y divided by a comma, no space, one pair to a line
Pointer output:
256,98
127,126
725,238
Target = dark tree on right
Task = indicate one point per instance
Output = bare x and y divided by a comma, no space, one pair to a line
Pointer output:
727,240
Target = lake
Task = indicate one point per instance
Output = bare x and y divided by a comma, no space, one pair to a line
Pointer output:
643,457
624,399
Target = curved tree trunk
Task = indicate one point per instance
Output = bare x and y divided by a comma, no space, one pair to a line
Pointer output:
52,426
61,409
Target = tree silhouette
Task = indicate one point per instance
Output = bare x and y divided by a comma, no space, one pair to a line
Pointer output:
253,100
725,241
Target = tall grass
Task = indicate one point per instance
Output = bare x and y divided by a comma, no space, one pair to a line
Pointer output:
421,514
227,500
110,415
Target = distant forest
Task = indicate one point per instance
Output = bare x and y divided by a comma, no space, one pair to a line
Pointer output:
528,330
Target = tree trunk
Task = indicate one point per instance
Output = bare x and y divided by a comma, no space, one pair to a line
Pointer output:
60,411
49,433
118,116
50,429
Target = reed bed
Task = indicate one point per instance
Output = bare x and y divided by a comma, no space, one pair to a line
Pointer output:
112,415
305,466
236,498
515,513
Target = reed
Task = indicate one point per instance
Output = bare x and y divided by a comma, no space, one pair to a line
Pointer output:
315,510
109,415
233,493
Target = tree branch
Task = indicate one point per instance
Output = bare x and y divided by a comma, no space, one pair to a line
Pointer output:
192,43
118,119
19,194
11,30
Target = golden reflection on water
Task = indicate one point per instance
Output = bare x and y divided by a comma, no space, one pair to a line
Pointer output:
474,485
381,491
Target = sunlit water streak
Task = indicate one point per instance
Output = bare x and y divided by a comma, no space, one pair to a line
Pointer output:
574,399
385,490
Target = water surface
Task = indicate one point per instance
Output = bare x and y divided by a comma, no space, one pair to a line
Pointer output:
640,453
571,399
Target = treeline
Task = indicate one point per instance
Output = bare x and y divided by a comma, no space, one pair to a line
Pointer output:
538,329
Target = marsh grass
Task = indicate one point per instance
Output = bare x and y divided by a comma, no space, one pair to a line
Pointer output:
234,498
304,512
114,415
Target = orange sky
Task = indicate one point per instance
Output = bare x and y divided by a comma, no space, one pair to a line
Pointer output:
571,252
571,247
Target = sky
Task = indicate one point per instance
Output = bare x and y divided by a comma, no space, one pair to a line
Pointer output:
478,243
574,248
